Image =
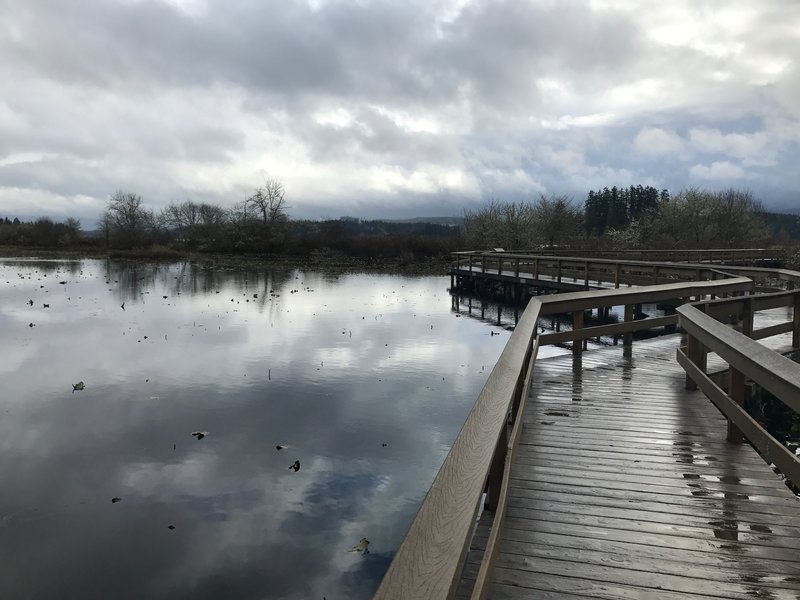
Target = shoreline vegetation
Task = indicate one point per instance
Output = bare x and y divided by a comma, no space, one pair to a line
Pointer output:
258,231
327,262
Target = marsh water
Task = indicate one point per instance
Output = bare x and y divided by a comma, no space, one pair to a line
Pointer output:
106,493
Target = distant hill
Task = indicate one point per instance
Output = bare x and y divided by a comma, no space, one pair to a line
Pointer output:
452,221
786,224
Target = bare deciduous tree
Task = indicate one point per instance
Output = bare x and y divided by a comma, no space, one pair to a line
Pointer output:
269,201
129,223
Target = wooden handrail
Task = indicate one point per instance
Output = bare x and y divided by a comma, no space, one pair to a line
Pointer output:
747,359
771,370
618,272
481,589
786,275
429,561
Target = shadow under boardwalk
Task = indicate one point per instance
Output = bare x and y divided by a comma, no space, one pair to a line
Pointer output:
623,486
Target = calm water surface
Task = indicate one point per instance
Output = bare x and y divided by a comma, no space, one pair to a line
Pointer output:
366,379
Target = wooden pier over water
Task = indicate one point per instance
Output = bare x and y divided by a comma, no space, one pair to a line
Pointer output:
620,472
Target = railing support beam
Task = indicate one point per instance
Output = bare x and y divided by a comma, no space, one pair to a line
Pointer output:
496,471
737,391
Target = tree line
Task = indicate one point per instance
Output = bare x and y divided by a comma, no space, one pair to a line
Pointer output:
609,218
630,218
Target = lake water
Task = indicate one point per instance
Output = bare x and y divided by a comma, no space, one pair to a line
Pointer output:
365,379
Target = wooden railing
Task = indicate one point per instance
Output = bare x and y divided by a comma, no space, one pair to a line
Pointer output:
711,255
428,563
747,360
583,270
577,303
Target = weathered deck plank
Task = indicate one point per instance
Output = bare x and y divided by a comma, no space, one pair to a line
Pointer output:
623,486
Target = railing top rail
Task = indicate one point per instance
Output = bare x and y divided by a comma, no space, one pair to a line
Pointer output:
572,301
740,299
691,251
728,270
429,561
775,372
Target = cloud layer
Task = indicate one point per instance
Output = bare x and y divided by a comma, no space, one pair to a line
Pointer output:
392,108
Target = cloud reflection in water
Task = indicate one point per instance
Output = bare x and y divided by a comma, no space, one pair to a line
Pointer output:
333,373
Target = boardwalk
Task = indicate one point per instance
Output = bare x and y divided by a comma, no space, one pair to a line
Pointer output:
619,472
623,486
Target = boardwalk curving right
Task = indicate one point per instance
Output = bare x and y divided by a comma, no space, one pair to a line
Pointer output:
623,486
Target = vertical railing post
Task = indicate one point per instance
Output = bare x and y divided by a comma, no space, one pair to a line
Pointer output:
627,338
496,471
796,321
499,265
586,274
748,317
577,325
471,258
483,263
536,268
697,354
617,273
516,267
558,267
736,391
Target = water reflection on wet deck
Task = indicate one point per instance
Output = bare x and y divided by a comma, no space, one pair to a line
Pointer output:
624,486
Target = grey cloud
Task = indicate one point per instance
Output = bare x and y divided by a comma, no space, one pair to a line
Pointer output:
179,103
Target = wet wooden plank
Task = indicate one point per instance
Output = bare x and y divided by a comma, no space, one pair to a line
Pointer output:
675,506
624,486
777,573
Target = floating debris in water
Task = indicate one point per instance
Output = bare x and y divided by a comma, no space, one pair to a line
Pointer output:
45,306
362,547
31,324
295,465
114,500
170,527
200,434
122,306
280,447
78,387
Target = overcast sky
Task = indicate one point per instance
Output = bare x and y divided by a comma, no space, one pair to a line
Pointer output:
393,108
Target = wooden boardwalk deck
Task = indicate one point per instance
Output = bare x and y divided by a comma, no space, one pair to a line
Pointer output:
623,486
